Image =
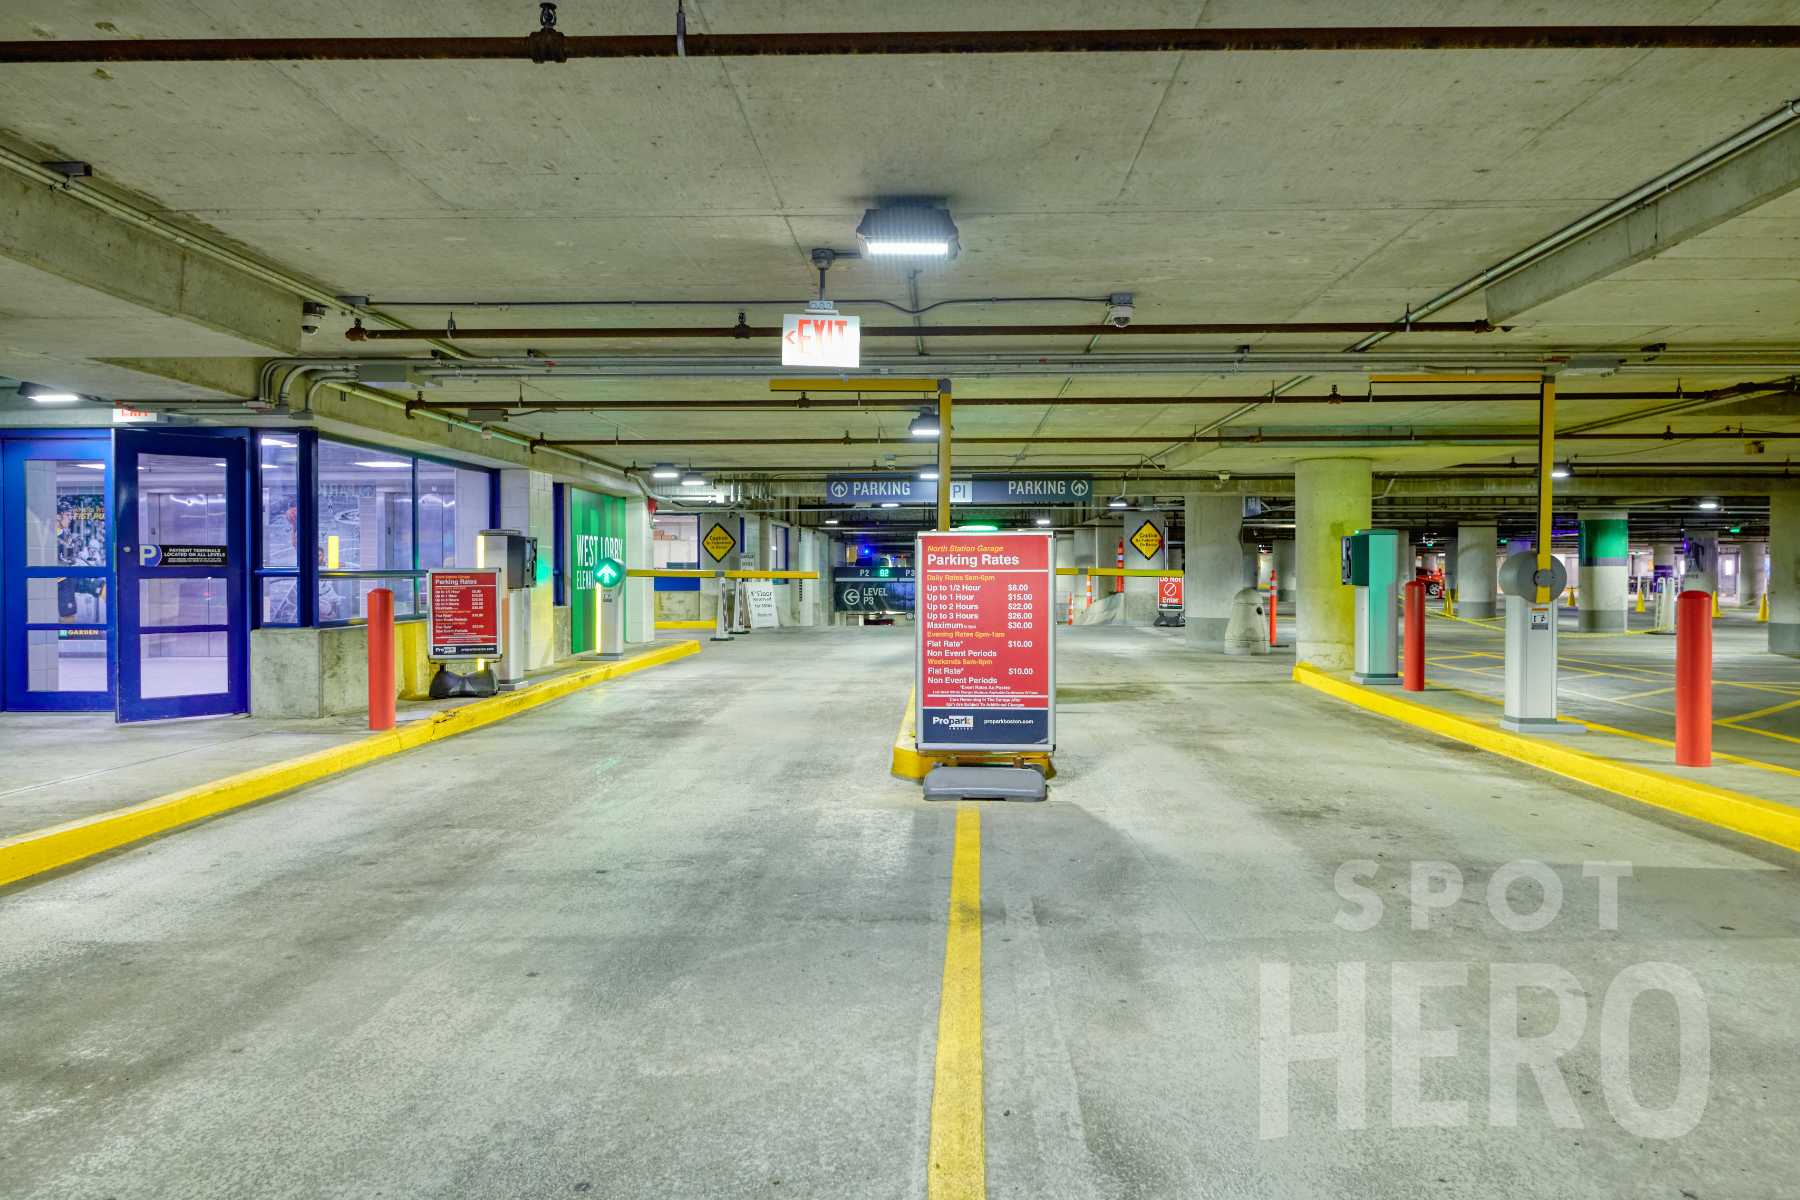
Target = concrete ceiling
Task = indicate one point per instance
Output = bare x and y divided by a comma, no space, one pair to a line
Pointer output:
1216,187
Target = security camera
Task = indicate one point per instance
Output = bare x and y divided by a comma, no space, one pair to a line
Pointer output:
1119,309
310,314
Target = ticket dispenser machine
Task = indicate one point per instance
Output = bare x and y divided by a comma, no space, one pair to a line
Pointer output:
1369,565
1531,646
516,556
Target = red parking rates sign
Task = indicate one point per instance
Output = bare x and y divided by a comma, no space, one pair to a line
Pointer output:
986,659
464,617
1168,591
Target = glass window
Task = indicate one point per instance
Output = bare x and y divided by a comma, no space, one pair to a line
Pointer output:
345,598
65,600
65,660
281,600
183,664
65,513
365,509
280,457
453,508
181,500
675,540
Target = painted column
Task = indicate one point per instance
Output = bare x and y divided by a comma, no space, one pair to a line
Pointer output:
1331,501
1702,573
1476,581
1784,573
1753,573
640,594
1215,567
1604,562
1146,549
1287,575
527,504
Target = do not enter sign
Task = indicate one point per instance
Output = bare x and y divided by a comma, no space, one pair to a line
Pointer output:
1168,591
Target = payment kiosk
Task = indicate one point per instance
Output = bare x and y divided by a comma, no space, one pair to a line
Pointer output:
1531,646
1370,562
516,556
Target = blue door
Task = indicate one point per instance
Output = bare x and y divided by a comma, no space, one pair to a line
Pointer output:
182,566
58,567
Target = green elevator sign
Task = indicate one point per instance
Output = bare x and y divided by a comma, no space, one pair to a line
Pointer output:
609,572
596,559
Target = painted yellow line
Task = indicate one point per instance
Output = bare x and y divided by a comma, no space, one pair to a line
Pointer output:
43,850
957,1163
1736,811
1761,712
1646,695
684,624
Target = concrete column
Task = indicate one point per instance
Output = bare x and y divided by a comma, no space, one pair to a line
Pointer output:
1476,582
1753,573
1784,573
1286,575
1331,500
1065,585
806,591
1403,558
527,504
1447,556
729,561
1702,563
1604,562
1216,566
1140,594
1663,564
640,594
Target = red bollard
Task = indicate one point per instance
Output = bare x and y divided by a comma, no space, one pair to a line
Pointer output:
1693,679
1273,596
381,659
1413,674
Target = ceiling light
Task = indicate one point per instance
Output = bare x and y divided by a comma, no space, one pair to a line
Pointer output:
693,479
831,520
928,474
664,471
925,425
908,231
1118,502
1560,470
269,440
1043,520
978,527
380,465
1709,505
102,467
890,504
39,394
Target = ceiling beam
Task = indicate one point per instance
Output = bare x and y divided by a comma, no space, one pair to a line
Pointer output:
1765,171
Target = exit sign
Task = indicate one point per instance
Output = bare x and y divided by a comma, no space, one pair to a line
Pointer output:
821,340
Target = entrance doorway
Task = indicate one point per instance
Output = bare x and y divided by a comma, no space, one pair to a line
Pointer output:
182,557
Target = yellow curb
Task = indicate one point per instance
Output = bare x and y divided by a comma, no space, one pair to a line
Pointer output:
909,763
43,850
1736,811
684,624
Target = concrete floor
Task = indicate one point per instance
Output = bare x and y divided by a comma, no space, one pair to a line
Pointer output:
681,935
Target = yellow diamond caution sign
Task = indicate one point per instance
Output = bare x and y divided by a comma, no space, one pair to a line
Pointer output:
719,542
1148,540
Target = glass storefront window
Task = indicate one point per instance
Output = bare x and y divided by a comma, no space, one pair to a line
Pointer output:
345,598
65,513
453,508
365,509
675,540
280,458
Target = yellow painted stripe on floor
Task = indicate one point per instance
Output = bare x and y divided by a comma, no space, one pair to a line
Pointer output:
684,624
42,850
1736,811
957,1166
1761,712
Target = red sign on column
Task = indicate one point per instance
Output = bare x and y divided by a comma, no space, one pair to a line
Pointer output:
1168,591
464,617
986,658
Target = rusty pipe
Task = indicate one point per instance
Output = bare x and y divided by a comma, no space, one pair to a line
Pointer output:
552,45
357,333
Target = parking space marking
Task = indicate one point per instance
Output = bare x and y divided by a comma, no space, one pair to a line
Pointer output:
956,1168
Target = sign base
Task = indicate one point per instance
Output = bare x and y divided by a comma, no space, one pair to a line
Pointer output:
985,783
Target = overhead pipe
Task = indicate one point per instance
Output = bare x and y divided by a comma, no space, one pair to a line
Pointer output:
880,403
917,310
549,44
1523,438
744,332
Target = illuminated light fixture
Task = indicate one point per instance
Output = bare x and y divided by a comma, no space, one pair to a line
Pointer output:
1118,502
102,467
928,474
275,441
1560,470
978,527
1043,520
831,520
383,464
925,425
664,471
1709,505
37,393
693,479
890,504
908,231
